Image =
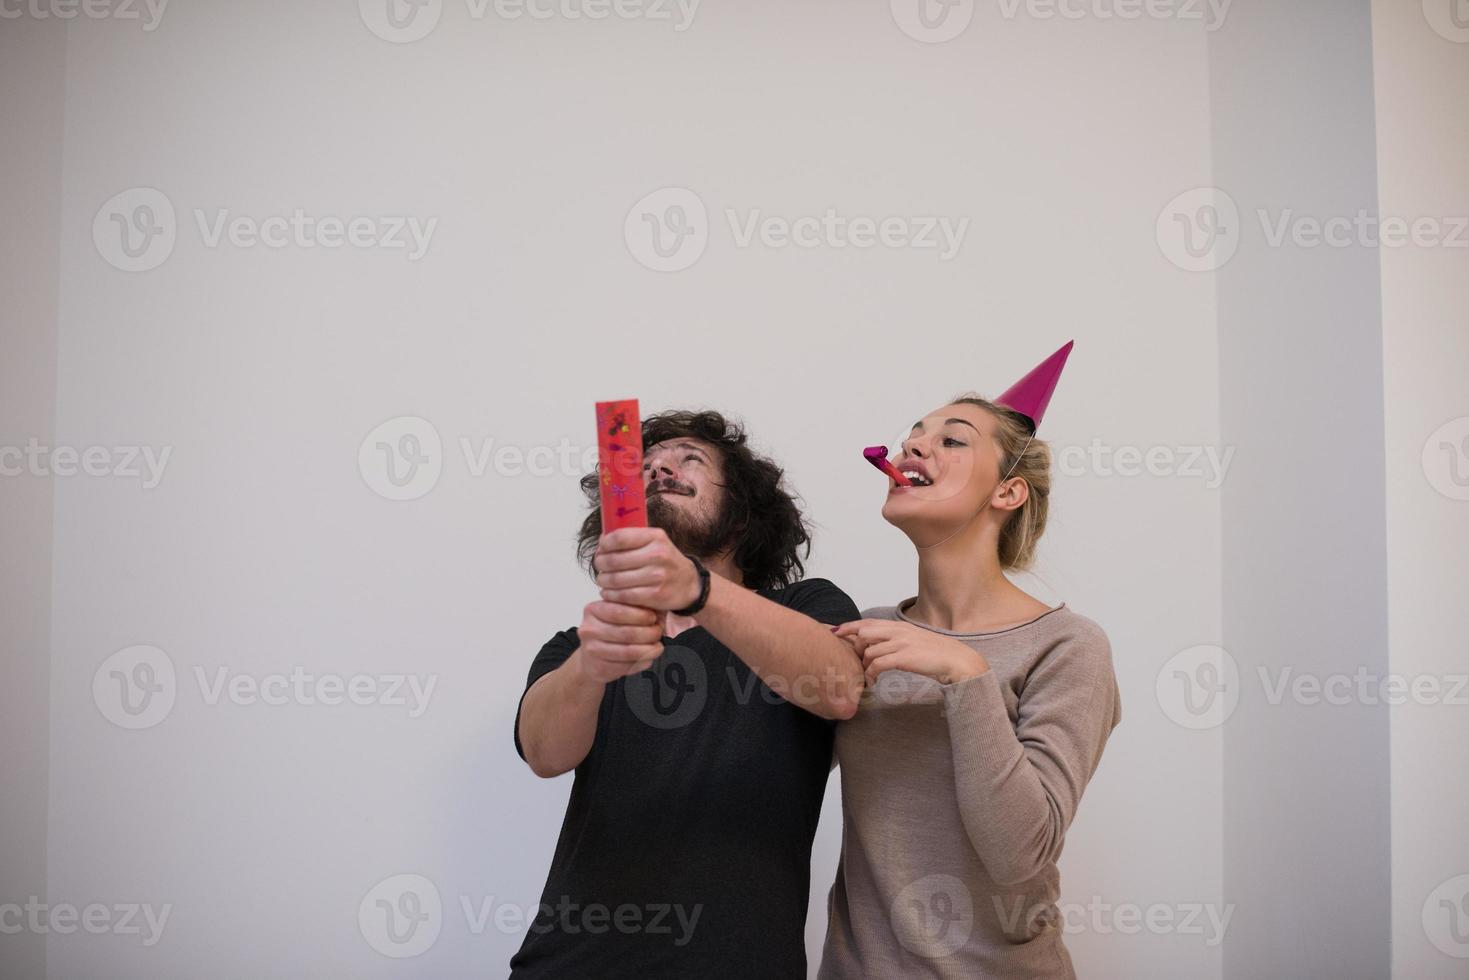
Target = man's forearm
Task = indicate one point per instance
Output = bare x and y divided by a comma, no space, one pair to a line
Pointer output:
558,719
796,656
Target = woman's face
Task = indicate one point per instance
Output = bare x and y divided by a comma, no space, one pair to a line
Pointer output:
953,459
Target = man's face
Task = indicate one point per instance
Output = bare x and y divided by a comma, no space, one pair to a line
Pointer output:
684,478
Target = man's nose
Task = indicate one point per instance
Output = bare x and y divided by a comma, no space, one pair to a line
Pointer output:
658,466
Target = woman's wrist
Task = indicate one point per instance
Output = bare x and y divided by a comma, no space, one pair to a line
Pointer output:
965,665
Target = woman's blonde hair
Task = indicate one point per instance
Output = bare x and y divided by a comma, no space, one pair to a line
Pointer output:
1030,460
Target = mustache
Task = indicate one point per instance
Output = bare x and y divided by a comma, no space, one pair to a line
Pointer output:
669,485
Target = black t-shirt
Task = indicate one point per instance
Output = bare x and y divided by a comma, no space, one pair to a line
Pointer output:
686,847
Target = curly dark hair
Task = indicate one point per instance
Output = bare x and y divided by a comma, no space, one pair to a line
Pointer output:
760,518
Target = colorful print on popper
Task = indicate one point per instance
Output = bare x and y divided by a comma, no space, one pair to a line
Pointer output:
620,463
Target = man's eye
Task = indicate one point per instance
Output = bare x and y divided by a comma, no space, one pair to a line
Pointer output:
692,458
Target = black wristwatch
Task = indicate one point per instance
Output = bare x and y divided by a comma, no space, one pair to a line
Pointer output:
703,589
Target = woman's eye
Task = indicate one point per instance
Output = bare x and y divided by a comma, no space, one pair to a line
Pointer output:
951,441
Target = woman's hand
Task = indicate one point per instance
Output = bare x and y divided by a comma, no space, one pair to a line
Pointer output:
885,644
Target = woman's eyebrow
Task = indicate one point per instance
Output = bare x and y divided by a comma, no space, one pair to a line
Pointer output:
964,422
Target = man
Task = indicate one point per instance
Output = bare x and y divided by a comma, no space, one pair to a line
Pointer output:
697,711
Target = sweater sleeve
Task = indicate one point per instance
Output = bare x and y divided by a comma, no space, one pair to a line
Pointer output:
1019,786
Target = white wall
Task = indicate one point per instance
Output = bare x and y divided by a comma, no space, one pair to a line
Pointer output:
1306,812
263,549
32,65
1422,76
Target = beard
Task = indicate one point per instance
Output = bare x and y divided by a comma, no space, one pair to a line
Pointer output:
690,534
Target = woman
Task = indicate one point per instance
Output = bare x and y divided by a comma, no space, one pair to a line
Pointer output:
985,716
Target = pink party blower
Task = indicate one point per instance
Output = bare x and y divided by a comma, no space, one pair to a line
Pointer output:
878,456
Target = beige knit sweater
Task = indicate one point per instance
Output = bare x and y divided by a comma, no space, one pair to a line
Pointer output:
956,800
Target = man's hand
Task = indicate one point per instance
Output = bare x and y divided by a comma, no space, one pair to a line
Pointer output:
617,640
890,644
639,566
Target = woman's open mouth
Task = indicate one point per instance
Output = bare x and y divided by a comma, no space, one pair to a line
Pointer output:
916,477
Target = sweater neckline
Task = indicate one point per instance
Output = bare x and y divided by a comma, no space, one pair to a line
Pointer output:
902,613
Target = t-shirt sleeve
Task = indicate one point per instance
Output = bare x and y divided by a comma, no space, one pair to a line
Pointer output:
552,655
821,600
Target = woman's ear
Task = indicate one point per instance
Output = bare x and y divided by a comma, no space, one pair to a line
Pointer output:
1012,494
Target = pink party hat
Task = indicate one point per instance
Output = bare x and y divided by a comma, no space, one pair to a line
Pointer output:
1031,394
